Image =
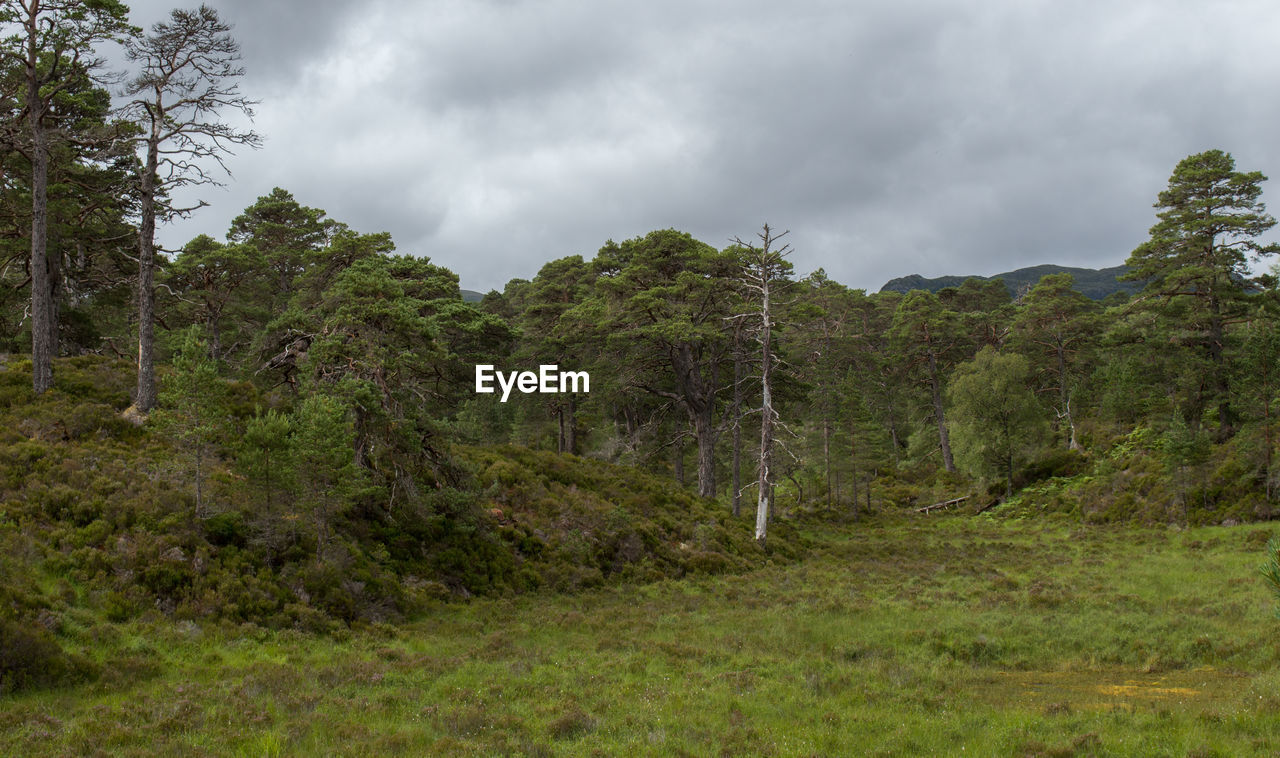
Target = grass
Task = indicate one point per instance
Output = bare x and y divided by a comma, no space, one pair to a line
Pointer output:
904,636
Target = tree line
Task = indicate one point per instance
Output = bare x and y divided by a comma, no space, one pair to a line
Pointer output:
715,365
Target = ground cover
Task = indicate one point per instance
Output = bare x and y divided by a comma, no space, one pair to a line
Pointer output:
901,636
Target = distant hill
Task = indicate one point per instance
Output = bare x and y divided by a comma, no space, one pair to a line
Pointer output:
471,296
1094,283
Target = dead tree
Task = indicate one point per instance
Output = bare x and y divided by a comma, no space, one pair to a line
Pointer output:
764,270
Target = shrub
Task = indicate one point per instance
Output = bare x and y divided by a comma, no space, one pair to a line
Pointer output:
1271,569
29,657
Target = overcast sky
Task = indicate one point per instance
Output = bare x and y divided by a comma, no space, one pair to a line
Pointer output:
890,137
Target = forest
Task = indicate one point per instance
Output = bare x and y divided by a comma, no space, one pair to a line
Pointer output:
278,431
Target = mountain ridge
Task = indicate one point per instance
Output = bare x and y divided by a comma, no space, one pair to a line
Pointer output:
1094,283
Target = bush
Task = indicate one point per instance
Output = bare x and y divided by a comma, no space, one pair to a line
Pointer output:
29,658
1271,569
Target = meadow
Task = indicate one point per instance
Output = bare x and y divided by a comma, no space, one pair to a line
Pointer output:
902,635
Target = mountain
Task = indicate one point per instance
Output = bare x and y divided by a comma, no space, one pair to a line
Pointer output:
1095,283
471,296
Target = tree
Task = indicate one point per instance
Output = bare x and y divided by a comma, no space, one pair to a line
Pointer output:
285,235
1053,323
86,214
821,310
1209,220
994,412
392,338
928,334
1259,368
265,455
1185,449
212,278
550,337
195,409
189,71
765,271
668,296
327,473
52,41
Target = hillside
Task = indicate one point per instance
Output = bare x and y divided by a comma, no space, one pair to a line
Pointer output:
100,525
1095,283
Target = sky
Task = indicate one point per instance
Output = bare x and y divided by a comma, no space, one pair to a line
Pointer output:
890,137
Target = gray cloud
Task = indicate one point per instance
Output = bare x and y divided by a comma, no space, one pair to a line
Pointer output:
890,137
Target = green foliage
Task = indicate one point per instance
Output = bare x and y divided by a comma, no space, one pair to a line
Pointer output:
193,411
1197,261
579,523
326,469
996,419
31,658
1271,570
897,636
266,457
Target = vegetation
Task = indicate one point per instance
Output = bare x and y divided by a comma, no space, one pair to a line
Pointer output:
1096,284
310,478
900,636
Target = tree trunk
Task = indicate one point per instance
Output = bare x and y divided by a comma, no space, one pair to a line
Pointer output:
893,425
214,327
145,399
737,425
571,426
853,461
826,453
560,441
764,483
944,440
43,330
697,395
678,462
1221,384
705,433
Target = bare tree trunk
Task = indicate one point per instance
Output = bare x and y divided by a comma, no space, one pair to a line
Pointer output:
765,267
145,399
764,482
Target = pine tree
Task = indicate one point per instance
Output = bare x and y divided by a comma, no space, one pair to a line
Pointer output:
1209,219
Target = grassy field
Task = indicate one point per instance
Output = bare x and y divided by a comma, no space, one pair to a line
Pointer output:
946,635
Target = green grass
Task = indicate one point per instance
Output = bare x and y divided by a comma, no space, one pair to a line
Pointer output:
926,636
